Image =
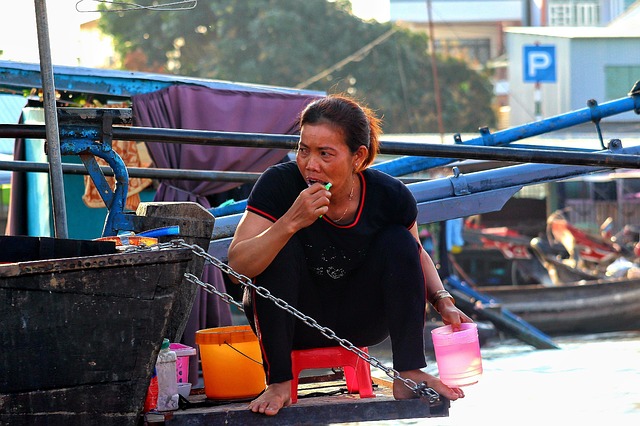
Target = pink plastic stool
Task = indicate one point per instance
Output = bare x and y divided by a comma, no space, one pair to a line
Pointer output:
357,372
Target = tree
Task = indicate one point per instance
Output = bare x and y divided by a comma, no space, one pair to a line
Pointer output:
287,42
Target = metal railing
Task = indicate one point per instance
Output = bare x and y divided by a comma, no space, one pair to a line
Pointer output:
89,132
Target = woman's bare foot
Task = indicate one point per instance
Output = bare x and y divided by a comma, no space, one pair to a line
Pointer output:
401,391
275,396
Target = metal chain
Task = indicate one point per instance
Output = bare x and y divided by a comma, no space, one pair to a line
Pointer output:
421,389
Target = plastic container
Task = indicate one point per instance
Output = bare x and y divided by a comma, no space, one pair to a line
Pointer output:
184,389
183,352
231,362
458,354
167,385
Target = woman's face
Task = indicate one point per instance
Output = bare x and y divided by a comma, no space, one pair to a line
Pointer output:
323,156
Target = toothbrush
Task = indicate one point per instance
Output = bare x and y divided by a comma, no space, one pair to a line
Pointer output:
327,187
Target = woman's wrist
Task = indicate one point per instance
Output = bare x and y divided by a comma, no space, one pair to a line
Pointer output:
439,296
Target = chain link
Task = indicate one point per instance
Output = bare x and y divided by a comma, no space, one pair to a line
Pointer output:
422,390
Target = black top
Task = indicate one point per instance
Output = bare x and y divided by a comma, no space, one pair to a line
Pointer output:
333,250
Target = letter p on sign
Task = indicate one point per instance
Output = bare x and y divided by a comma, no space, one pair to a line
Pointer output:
539,64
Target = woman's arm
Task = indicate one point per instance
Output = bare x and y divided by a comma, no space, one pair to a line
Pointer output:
257,240
445,306
256,243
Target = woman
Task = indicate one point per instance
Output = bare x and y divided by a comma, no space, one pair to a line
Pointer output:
339,242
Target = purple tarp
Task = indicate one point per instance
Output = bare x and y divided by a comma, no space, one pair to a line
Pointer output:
201,108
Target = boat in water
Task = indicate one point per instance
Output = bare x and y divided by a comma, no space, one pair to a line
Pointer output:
581,307
537,280
83,320
82,331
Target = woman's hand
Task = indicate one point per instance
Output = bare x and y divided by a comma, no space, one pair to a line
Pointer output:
450,314
257,240
311,204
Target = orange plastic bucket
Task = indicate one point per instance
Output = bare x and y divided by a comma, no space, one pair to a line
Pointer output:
231,362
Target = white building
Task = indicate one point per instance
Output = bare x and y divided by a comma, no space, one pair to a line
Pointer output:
600,63
596,47
477,25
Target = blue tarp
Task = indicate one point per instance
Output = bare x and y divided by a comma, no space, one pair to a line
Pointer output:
10,110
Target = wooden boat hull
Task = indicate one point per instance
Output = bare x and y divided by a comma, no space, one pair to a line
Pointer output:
81,335
589,307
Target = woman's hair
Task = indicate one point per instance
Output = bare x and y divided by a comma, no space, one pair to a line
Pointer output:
359,124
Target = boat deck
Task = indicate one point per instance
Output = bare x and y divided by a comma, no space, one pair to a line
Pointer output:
318,403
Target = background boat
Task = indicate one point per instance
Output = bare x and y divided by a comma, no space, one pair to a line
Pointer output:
530,279
579,307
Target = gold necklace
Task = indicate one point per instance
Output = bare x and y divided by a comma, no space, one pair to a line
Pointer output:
348,203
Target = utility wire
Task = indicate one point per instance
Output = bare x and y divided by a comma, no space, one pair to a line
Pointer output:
359,54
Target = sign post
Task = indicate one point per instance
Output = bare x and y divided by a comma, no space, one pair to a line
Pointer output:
539,65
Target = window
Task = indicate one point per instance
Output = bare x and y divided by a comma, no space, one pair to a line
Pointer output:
576,189
574,13
619,80
560,15
605,191
631,189
587,15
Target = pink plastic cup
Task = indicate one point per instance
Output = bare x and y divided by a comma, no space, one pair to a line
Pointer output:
458,354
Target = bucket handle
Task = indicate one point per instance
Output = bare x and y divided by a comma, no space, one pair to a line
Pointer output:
242,353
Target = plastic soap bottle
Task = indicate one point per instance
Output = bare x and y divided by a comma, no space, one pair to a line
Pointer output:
167,385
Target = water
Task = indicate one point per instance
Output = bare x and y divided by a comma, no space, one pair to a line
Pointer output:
591,380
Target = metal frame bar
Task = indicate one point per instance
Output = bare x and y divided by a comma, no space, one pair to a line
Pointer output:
89,132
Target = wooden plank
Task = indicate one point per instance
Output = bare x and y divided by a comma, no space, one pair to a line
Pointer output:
315,405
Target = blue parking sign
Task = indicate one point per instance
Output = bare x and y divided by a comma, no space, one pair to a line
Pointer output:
539,64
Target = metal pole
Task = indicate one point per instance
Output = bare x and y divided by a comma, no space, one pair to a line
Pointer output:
434,73
137,172
537,98
593,113
52,146
607,158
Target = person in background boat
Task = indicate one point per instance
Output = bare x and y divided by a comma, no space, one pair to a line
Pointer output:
427,241
454,237
347,254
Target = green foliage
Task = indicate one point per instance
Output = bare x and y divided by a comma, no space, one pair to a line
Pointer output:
287,42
